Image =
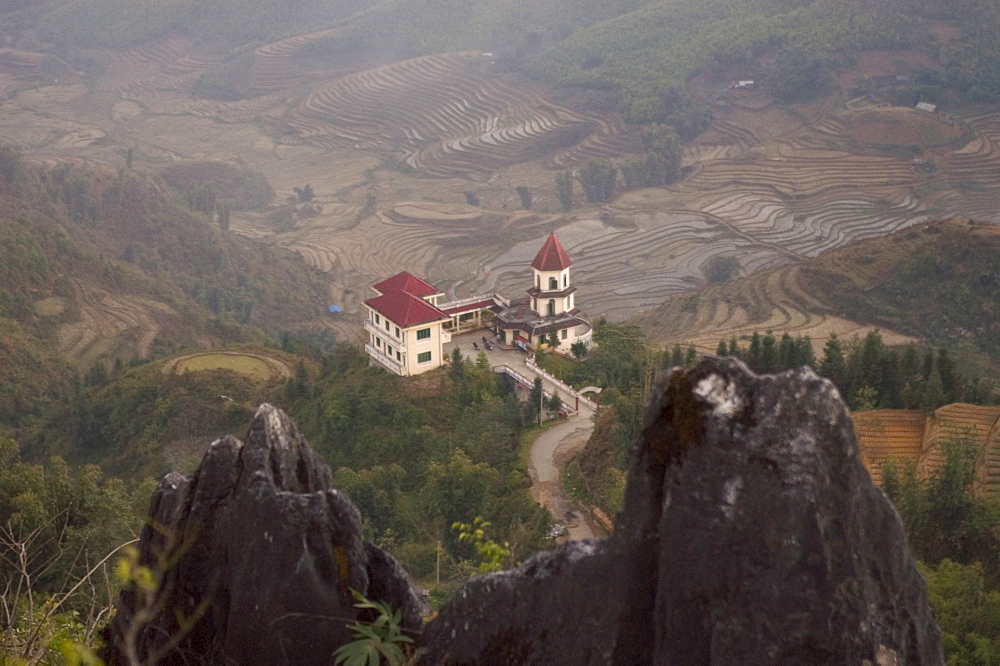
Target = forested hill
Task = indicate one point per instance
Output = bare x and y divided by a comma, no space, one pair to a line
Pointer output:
101,266
634,55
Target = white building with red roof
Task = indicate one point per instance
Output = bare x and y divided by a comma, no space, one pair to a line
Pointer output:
408,326
548,316
404,325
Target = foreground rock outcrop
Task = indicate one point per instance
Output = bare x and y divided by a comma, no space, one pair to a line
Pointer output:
750,534
260,556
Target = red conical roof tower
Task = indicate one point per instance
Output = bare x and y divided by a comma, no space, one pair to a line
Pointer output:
552,256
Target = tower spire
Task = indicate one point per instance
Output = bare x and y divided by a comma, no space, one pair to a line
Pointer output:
552,256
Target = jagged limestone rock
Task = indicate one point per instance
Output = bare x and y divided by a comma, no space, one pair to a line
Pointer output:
259,556
751,534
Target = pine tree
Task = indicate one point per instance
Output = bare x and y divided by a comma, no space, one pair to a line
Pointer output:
950,381
457,365
933,395
598,179
525,195
753,357
564,189
676,356
804,352
787,352
533,406
834,366
691,357
890,387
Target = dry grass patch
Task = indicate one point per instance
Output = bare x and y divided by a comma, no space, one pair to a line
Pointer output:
50,307
252,365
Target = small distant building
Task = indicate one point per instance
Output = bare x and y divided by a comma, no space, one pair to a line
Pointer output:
550,306
404,325
744,85
888,80
926,107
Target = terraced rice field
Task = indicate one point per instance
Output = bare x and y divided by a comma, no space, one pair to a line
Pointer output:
911,436
447,115
886,435
769,186
109,325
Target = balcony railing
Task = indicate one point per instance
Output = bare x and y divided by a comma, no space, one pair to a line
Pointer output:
384,359
380,331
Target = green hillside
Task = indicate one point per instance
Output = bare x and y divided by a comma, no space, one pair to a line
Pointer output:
102,267
940,283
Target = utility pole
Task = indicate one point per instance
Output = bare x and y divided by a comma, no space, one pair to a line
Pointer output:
437,577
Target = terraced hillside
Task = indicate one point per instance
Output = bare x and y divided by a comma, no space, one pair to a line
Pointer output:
768,185
830,293
911,436
449,115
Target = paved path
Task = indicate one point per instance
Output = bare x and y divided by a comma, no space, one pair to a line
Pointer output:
551,449
549,454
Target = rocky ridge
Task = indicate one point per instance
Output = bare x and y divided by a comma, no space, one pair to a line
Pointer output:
751,534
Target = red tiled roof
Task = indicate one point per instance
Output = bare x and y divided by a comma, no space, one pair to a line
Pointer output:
552,256
404,281
405,309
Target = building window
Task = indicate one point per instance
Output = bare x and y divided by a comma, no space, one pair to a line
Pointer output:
378,342
377,320
399,357
552,307
397,331
386,324
388,350
423,334
565,333
553,283
565,280
424,357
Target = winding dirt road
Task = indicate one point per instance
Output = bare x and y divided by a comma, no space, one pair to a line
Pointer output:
548,455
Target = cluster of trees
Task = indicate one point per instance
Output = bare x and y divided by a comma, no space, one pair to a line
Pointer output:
867,372
953,532
459,433
57,527
623,364
659,166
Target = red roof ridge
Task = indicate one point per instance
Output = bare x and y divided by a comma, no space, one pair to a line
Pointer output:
404,309
552,256
404,281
